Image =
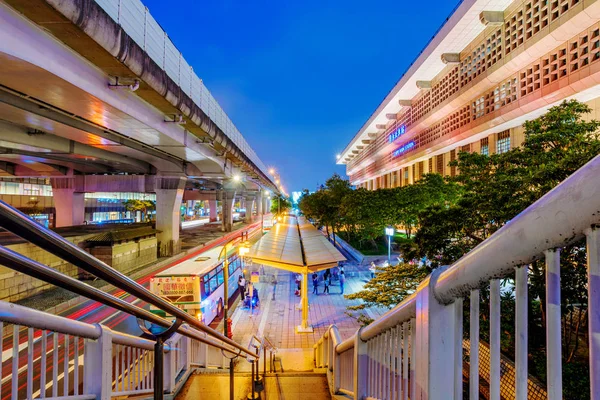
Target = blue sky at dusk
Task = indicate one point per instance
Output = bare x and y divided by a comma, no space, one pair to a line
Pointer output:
299,78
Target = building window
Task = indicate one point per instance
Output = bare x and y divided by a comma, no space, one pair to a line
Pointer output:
485,148
406,176
503,143
431,165
439,164
466,148
479,108
421,169
452,158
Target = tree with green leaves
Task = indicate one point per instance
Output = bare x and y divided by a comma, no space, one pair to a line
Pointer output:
493,190
280,204
145,206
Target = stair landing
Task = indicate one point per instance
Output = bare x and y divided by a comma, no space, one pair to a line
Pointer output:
281,386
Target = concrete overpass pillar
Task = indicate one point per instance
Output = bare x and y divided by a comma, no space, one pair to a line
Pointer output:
69,205
169,194
212,206
227,201
260,198
250,200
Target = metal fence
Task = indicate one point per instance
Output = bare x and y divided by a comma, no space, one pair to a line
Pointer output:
416,350
138,23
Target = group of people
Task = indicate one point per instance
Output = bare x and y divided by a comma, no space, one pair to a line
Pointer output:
247,291
328,276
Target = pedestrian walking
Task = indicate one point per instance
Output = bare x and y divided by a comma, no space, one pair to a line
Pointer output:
372,268
242,286
326,283
342,281
315,280
274,282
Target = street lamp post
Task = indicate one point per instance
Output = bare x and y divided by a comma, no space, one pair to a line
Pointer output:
389,231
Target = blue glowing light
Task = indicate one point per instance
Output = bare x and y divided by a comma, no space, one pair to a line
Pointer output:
397,133
402,149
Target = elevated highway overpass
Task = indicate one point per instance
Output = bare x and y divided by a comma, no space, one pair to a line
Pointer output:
95,94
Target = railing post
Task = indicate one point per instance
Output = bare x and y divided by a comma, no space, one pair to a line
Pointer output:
593,259
553,325
435,340
97,365
170,366
361,362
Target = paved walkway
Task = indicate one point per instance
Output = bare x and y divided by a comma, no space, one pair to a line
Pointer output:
277,318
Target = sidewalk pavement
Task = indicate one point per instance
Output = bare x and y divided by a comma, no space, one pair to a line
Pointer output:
276,319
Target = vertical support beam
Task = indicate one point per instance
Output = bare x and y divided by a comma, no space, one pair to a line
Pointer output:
249,200
169,194
212,207
97,365
458,348
260,201
553,328
494,339
361,363
521,332
227,210
474,346
435,330
69,205
304,327
593,259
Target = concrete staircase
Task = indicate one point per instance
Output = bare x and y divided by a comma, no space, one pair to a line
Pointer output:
278,386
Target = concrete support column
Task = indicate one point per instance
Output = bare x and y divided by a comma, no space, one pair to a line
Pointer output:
169,194
228,199
260,198
249,208
69,205
212,205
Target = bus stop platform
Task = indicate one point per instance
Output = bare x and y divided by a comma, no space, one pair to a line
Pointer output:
277,316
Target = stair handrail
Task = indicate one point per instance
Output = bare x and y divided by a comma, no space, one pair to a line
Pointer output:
21,225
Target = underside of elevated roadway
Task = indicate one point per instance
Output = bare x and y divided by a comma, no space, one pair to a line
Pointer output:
59,115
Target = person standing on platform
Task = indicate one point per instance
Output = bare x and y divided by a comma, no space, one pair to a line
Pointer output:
342,281
326,283
372,268
315,279
274,282
242,286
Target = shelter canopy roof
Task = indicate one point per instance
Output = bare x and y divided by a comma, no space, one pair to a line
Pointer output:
294,244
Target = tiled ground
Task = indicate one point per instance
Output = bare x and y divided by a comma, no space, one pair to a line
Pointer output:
277,318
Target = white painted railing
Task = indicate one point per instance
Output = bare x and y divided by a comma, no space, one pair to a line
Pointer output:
416,349
136,20
52,356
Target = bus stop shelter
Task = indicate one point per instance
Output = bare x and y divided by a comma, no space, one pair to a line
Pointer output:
295,245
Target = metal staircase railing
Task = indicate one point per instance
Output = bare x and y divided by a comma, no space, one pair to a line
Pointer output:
92,361
416,349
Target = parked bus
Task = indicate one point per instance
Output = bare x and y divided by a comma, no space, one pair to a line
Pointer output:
196,285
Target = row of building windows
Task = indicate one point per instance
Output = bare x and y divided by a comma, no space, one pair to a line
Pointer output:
575,56
438,164
40,187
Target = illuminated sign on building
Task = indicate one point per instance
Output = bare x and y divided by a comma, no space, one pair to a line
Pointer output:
403,149
396,134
